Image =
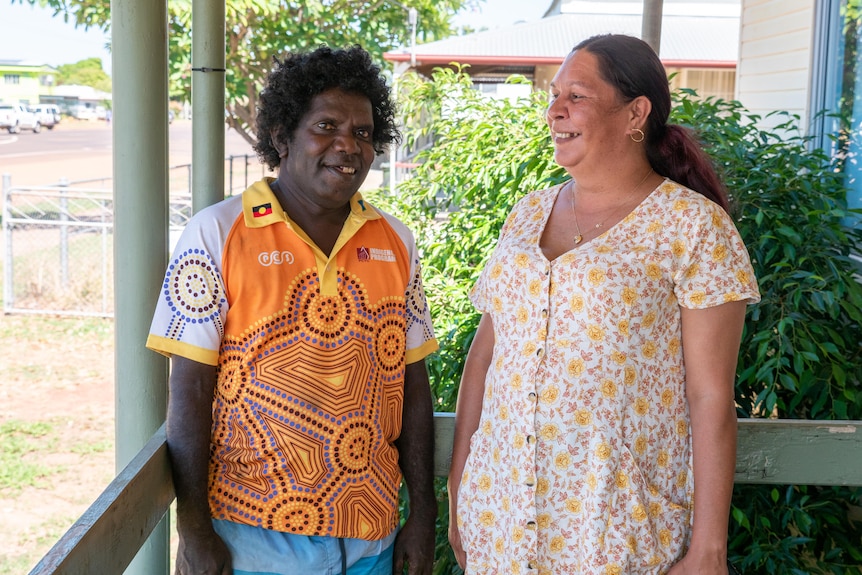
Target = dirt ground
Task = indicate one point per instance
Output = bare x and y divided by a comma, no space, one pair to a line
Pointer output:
60,371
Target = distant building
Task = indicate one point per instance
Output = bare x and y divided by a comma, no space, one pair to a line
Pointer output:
26,82
699,44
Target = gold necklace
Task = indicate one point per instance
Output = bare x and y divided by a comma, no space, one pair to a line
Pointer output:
578,236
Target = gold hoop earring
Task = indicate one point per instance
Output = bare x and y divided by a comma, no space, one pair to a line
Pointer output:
640,132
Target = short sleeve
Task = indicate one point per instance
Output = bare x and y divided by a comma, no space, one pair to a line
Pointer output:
712,263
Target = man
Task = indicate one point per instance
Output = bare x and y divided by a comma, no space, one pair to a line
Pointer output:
297,325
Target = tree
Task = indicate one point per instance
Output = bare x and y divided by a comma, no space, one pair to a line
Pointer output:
87,72
257,30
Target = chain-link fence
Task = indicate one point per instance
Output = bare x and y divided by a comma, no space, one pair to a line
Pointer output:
58,240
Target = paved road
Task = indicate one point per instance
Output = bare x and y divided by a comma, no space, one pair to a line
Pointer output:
82,151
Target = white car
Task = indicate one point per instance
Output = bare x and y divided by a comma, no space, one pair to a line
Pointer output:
48,115
17,117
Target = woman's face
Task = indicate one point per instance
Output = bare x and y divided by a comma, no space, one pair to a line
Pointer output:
587,118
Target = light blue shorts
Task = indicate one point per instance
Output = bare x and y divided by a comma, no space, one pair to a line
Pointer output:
258,551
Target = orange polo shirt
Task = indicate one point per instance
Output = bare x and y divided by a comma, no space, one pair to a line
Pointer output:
311,353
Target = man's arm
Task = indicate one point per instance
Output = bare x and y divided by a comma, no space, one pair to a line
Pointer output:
189,429
414,545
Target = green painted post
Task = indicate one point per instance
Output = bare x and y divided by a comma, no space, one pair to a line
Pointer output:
208,106
140,141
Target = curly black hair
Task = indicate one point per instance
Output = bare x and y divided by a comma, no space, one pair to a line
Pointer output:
295,81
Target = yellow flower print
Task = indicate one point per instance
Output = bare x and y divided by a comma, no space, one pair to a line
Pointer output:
674,345
592,482
640,444
535,288
613,569
618,357
543,521
639,513
603,451
484,483
623,326
495,456
550,394
516,475
516,567
549,432
522,260
517,380
629,296
719,253
641,406
717,221
629,375
522,315
583,416
542,486
507,504
632,543
692,271
499,363
649,319
665,537
557,544
680,205
595,333
517,534
497,304
655,560
682,427
504,412
519,442
649,349
530,348
698,297
576,367
486,427
677,248
732,296
576,303
496,271
609,389
654,228
487,518
573,505
663,458
563,460
603,249
622,480
742,277
653,271
655,509
667,398
682,479
596,276
499,546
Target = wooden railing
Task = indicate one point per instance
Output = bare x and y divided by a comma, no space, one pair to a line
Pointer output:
106,538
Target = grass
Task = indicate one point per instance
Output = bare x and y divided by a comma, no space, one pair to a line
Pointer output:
18,439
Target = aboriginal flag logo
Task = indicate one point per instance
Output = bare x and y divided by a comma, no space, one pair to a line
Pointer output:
262,210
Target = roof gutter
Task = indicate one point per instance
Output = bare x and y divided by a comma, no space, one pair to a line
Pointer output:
444,59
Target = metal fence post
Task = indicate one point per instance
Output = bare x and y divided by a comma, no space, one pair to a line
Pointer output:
64,233
8,288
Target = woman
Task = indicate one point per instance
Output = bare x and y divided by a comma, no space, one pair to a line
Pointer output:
598,391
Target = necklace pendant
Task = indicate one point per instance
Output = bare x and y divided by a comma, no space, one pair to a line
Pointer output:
577,239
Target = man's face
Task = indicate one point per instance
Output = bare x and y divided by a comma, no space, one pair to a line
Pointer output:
330,152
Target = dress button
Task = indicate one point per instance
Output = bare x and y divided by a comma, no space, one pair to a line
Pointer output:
529,483
540,351
531,525
531,439
533,395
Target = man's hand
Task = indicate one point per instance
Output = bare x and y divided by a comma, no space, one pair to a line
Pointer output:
414,548
203,555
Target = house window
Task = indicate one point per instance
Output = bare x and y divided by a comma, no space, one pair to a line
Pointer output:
836,88
11,79
706,82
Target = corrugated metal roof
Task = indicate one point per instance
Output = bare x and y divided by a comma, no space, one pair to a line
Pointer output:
683,39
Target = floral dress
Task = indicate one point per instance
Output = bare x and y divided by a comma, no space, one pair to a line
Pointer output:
582,460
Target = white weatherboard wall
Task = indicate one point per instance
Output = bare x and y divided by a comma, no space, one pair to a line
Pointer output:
774,68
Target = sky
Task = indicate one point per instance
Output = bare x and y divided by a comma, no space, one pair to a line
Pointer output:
35,35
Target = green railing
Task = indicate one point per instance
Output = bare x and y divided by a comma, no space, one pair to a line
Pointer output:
109,534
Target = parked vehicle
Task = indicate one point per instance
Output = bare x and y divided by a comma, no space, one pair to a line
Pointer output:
17,117
48,114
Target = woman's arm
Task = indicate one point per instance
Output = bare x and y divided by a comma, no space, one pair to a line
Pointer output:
467,413
710,341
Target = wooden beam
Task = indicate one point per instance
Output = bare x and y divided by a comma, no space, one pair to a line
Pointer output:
109,534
